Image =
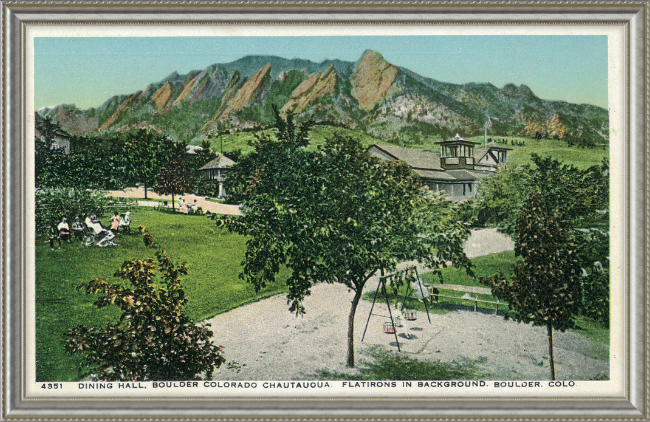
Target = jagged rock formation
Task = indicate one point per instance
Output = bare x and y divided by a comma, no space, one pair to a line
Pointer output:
315,87
381,98
247,92
161,96
553,127
372,79
75,121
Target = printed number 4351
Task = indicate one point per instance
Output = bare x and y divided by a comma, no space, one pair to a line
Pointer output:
52,386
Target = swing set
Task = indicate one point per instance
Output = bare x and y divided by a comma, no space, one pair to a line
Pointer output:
397,279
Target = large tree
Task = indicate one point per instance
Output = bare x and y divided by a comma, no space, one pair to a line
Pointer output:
175,178
582,194
91,163
147,151
545,289
336,215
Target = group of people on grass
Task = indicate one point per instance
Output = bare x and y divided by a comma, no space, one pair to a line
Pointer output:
88,230
185,206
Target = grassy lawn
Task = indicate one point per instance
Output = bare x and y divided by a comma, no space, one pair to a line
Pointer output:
485,266
394,366
211,285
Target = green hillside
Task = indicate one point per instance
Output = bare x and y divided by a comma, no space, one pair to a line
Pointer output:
318,134
579,157
520,154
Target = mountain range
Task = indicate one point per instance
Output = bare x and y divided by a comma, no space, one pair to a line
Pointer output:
372,95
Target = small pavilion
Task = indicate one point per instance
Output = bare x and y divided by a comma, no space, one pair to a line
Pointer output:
215,172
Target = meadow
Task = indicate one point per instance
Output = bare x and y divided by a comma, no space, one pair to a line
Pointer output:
317,136
212,284
558,149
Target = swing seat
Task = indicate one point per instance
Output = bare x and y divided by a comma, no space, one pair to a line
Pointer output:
389,328
409,315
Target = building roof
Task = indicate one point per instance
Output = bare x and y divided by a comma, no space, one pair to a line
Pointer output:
218,163
481,174
414,158
435,175
480,152
462,175
494,145
193,149
449,175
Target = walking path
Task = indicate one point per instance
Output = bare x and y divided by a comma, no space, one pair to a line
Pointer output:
213,207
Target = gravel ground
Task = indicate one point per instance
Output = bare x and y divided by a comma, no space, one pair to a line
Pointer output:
263,341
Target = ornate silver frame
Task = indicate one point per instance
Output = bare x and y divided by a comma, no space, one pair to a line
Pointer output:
17,15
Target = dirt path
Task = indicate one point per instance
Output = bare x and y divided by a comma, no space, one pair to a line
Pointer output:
214,207
263,341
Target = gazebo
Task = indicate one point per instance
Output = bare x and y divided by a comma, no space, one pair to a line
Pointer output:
215,171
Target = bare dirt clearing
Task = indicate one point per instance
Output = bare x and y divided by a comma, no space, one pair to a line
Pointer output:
263,341
206,205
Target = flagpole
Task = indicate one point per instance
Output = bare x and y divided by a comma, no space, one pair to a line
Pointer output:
485,136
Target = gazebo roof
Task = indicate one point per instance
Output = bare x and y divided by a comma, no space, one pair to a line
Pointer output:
218,163
457,140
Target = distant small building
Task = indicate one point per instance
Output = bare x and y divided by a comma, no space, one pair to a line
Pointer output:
215,172
456,170
60,139
193,149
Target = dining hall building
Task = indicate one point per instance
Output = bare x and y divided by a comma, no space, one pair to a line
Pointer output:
456,170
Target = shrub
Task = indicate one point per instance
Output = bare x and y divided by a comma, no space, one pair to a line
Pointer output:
153,339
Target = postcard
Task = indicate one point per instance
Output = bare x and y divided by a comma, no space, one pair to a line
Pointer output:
326,211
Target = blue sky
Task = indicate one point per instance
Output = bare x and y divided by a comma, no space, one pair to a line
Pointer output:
88,71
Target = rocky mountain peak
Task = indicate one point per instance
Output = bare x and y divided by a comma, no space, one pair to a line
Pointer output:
312,89
372,79
382,98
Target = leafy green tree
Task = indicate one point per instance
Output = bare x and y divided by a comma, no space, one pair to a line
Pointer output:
583,196
147,151
92,163
205,155
501,198
175,178
545,289
153,339
580,193
335,216
99,162
52,204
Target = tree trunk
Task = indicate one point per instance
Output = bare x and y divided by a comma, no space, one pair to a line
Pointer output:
145,190
549,330
172,201
353,310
